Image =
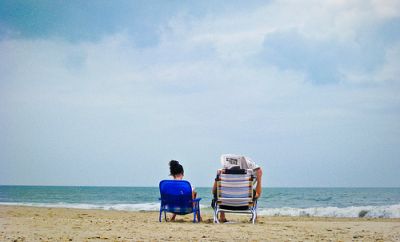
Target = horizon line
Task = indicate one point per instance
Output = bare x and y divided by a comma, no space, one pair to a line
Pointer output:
123,186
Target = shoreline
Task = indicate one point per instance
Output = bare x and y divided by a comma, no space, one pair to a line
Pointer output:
384,211
21,223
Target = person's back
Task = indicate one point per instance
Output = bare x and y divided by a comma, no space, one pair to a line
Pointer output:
177,173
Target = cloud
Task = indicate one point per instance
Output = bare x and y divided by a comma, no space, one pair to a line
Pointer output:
321,39
386,8
241,82
387,71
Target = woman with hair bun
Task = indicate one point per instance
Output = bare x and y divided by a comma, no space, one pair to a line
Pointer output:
177,172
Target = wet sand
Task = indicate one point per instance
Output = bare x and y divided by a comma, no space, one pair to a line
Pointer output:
19,223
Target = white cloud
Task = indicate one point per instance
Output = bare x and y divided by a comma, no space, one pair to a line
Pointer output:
386,8
201,91
388,71
391,68
240,34
115,72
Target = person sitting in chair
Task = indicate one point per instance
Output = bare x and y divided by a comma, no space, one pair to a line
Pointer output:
232,162
177,172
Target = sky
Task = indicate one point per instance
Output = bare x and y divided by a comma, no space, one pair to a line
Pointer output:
105,93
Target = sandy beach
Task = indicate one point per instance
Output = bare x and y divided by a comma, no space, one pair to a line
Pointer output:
61,224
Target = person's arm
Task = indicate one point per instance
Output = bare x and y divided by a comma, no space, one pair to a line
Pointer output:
258,186
214,189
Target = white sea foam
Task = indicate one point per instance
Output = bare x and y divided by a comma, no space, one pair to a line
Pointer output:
389,211
119,207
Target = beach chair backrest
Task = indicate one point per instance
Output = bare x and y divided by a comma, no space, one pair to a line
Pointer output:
176,195
235,190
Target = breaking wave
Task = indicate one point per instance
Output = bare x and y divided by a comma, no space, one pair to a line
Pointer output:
118,207
387,211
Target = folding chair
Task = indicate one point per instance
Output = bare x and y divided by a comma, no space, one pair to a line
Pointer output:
235,193
176,197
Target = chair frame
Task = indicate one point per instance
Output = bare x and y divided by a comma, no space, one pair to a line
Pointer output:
252,209
165,202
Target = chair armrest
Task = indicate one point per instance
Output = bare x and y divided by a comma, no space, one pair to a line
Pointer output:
196,202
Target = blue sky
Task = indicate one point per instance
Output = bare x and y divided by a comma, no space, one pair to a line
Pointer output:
106,93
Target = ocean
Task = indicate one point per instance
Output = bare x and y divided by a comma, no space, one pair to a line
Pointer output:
326,202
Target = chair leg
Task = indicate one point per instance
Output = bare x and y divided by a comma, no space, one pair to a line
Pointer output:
253,216
216,215
194,212
162,209
165,216
198,215
254,212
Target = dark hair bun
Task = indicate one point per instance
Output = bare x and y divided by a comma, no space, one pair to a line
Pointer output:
175,168
173,163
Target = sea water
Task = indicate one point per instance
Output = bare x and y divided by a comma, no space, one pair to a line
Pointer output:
328,202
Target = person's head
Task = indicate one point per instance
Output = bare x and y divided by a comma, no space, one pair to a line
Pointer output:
176,169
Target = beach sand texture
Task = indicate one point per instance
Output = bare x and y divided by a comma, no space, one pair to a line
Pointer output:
60,224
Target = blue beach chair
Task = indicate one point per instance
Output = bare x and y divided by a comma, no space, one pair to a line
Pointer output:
176,197
235,194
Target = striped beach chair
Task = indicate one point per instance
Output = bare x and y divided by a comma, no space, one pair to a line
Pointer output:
235,194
